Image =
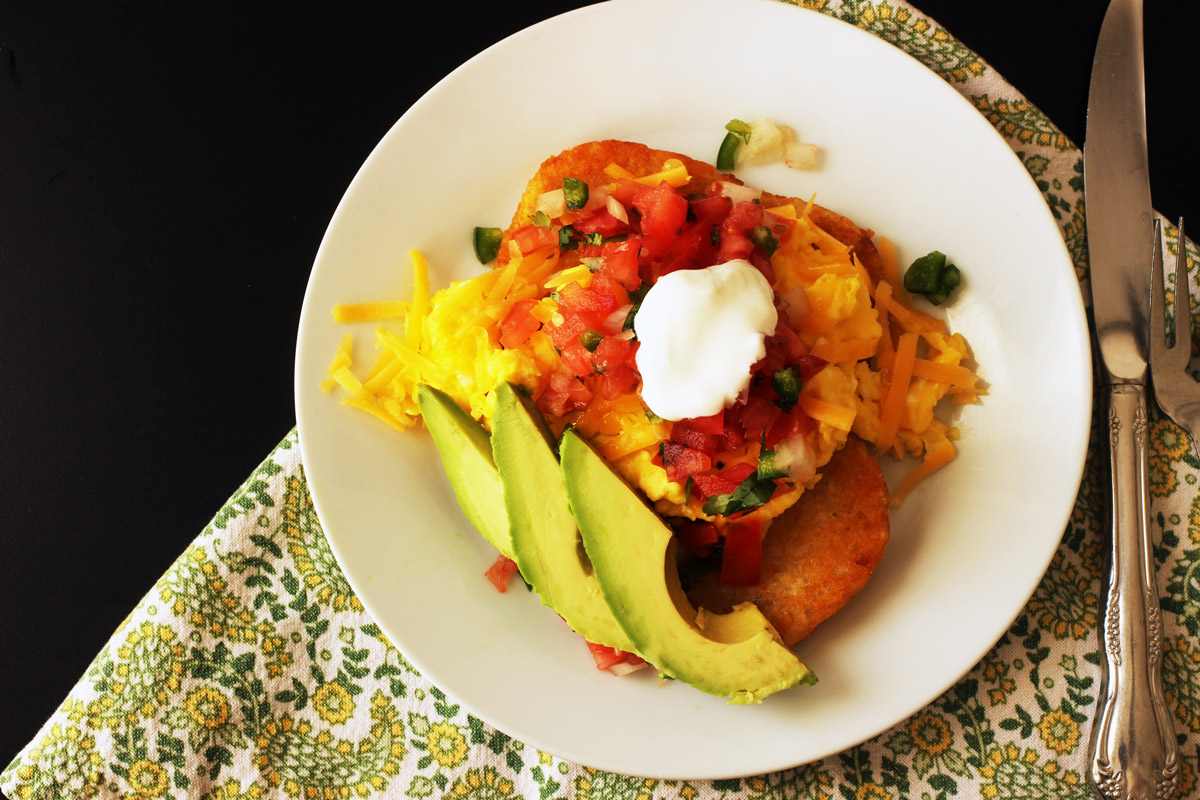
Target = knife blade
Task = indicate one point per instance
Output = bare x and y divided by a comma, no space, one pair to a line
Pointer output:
1133,747
1116,186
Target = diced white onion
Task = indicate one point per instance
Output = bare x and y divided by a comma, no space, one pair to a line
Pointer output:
795,303
738,193
552,203
615,321
624,668
617,210
766,143
770,141
597,197
800,155
797,457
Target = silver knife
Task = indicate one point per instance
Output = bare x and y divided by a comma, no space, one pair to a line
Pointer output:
1134,751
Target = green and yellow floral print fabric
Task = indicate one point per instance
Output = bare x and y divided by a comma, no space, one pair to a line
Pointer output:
251,670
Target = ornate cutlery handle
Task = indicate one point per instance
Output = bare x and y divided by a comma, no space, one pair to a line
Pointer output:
1134,751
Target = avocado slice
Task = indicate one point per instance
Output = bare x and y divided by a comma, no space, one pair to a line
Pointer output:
736,655
545,538
466,450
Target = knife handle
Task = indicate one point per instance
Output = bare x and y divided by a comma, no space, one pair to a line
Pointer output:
1134,750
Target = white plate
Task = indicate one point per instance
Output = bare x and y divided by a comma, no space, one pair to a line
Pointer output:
903,153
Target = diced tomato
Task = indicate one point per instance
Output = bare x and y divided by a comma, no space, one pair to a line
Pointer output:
563,393
711,209
781,227
709,485
577,359
736,473
518,324
735,230
714,424
688,436
682,462
608,657
743,217
611,352
619,381
608,286
663,211
532,237
733,246
732,437
589,251
789,424
568,331
592,303
691,249
810,365
695,534
741,564
759,261
650,254
600,221
625,190
783,347
758,416
621,262
500,572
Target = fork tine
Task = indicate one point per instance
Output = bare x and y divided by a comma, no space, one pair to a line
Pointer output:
1164,359
1159,353
1183,305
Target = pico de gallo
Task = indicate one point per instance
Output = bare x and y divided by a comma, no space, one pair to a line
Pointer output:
639,234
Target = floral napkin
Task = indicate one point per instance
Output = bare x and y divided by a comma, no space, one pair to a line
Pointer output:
251,670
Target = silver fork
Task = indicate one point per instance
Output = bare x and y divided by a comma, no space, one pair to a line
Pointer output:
1177,392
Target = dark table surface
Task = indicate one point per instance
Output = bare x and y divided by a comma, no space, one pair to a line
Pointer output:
166,174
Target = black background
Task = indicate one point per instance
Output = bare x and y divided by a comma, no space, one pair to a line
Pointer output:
166,173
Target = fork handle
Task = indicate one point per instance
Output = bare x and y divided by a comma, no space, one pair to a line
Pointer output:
1134,750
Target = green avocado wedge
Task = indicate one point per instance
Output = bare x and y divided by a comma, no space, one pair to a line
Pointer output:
545,538
466,450
736,655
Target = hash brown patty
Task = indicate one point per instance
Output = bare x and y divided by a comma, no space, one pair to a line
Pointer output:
819,553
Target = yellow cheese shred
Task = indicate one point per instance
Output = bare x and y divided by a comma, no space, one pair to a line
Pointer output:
420,303
369,312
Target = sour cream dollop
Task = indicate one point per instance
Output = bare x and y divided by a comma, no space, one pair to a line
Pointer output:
700,331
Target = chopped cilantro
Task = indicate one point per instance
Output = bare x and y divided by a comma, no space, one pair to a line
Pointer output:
567,237
767,471
750,493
